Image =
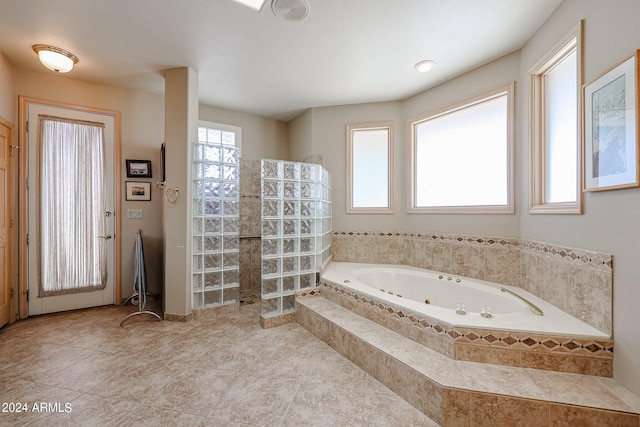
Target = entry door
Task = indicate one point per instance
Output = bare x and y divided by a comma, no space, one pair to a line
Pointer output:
48,304
6,222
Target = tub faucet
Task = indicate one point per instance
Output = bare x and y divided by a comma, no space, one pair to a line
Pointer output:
461,309
485,312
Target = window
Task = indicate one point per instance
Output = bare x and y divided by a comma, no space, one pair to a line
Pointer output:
555,129
370,168
461,158
217,133
72,198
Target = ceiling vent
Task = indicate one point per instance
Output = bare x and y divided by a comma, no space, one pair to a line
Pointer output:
290,10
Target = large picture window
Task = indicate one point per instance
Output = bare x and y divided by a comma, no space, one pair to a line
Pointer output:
461,157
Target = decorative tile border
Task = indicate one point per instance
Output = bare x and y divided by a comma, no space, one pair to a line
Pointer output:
304,293
448,400
578,281
474,344
427,324
596,260
593,259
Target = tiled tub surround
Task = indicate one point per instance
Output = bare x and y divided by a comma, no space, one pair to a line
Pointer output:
456,393
582,355
578,282
445,296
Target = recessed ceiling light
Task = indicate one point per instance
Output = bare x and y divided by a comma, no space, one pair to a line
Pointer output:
424,66
253,4
54,58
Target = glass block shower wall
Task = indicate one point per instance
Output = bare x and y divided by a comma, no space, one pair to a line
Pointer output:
216,223
323,218
296,230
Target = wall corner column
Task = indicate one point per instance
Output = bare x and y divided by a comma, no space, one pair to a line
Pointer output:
181,127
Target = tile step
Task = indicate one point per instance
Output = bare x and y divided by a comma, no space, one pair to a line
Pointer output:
455,392
552,352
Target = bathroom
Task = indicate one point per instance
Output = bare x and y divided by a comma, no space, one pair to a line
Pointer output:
607,224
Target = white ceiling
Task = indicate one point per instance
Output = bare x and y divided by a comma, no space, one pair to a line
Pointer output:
344,52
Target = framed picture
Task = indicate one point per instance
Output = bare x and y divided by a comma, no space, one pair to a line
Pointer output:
163,165
138,168
611,128
138,190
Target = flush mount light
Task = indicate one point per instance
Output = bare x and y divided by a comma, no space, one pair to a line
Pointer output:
54,58
290,10
253,4
424,66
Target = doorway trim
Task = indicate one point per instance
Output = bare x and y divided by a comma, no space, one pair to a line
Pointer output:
23,103
10,236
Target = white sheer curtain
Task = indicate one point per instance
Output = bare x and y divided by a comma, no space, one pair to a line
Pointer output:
72,206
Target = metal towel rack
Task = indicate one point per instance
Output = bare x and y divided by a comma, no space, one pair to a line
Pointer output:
140,280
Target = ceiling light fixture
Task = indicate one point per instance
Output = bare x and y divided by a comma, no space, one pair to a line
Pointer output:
290,10
54,58
424,66
253,4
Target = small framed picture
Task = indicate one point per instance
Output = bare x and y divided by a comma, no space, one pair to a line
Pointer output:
138,168
138,190
163,166
610,129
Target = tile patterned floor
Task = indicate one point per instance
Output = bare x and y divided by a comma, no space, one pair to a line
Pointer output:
223,371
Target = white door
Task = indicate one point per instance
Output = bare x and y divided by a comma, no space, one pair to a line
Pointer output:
49,304
6,222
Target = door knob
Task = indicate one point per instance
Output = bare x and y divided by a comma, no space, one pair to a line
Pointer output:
107,237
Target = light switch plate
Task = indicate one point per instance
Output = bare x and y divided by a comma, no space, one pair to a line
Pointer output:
134,213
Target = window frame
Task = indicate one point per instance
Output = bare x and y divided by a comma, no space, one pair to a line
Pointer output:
351,129
507,90
571,42
224,127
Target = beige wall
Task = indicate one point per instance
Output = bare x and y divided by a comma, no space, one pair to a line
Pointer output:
142,134
328,132
8,105
181,130
261,138
301,131
610,220
488,77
